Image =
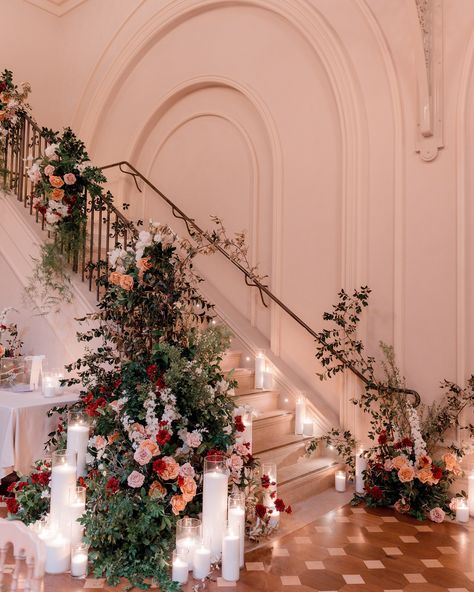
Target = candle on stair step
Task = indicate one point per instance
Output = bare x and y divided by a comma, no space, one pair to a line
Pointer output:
462,510
300,410
308,427
340,481
63,479
259,370
202,561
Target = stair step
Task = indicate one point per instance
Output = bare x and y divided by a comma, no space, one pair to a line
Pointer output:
271,424
261,401
230,360
298,482
274,444
288,452
245,380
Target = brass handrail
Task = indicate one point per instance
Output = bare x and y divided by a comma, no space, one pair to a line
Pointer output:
250,279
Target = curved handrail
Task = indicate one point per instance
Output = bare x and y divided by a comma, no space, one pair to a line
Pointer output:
250,278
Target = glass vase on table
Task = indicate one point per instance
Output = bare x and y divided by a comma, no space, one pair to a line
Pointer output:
15,373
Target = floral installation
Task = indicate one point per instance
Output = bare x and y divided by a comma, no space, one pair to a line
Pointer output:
159,403
13,104
414,460
10,341
63,179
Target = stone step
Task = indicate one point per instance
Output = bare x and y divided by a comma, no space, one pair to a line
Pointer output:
231,360
261,401
289,451
305,479
245,380
271,425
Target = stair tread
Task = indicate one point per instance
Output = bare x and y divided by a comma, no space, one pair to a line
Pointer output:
256,392
305,467
284,441
271,414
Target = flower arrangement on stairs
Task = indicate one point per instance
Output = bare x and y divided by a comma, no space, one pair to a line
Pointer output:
160,404
414,459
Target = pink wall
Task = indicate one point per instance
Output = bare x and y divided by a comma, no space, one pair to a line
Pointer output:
297,121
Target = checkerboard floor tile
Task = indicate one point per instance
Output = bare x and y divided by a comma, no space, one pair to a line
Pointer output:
353,579
221,583
374,564
279,552
290,581
389,519
314,565
392,551
415,578
409,539
431,563
254,566
447,550
373,529
336,551
302,540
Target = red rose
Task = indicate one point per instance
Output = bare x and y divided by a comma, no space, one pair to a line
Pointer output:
163,422
437,472
162,437
11,487
397,445
87,399
383,437
21,485
117,383
82,482
407,443
151,371
375,492
280,505
239,424
160,383
91,410
101,402
260,510
12,505
159,466
265,481
288,510
113,485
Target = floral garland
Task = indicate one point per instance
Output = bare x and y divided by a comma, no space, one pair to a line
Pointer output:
13,104
11,345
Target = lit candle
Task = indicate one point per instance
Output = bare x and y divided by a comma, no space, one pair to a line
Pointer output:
49,386
179,568
77,438
79,559
236,517
268,378
308,427
462,510
259,370
231,554
58,554
360,466
299,415
201,561
214,502
470,492
77,507
63,479
340,481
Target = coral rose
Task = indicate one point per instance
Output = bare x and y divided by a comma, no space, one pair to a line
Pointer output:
178,504
437,515
172,469
406,474
48,170
451,462
115,277
425,476
401,506
399,461
156,490
151,446
2,350
142,456
126,282
144,264
69,178
57,194
113,437
135,479
188,488
424,461
56,181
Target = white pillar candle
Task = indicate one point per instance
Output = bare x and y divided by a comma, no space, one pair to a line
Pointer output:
78,438
462,511
470,492
231,554
300,410
360,466
268,379
179,568
214,503
58,554
77,507
259,370
237,521
201,562
340,481
63,478
308,427
49,387
79,559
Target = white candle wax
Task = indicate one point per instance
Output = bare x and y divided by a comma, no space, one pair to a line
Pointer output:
259,371
308,428
79,565
58,554
179,570
63,478
231,557
299,416
214,510
462,512
470,493
201,562
77,439
360,465
340,481
187,547
268,379
49,390
236,518
76,510
274,519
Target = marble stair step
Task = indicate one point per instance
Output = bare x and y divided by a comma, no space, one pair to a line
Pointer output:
271,424
287,453
261,401
231,360
304,479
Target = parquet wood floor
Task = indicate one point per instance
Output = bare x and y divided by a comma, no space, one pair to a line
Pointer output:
349,550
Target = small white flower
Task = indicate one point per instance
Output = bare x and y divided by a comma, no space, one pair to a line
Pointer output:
51,150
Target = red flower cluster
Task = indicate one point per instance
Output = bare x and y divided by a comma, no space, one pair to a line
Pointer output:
375,492
12,505
383,439
265,481
159,466
41,478
260,510
113,485
437,472
162,437
239,424
91,408
151,371
281,507
160,383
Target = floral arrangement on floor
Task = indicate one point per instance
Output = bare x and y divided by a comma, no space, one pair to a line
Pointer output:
10,341
414,460
63,180
13,104
159,403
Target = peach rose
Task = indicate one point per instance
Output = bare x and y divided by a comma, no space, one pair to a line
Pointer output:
137,427
425,476
172,469
100,442
424,461
113,437
177,504
406,474
142,456
2,350
69,178
48,170
188,488
115,277
156,490
151,446
57,194
135,479
399,461
56,181
450,461
144,264
126,282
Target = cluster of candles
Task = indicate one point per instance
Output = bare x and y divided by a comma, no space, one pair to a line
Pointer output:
220,534
51,383
263,373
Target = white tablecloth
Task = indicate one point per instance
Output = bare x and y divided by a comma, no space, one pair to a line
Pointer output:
24,428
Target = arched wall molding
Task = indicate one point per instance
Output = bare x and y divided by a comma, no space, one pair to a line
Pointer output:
252,157
56,7
313,27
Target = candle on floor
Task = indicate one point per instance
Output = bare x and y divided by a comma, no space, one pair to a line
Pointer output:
340,481
360,466
78,438
79,559
470,492
300,410
236,517
231,554
188,534
58,554
214,502
268,378
63,479
259,370
202,561
77,507
462,510
179,568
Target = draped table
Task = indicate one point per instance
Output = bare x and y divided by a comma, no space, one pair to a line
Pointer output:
24,428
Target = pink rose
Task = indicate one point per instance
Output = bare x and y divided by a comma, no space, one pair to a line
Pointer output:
142,456
69,178
100,442
186,470
242,449
117,405
193,439
135,479
388,466
437,515
235,463
49,170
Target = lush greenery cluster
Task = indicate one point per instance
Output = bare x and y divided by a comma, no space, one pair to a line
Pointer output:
413,460
12,105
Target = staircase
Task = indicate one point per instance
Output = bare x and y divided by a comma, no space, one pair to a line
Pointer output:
274,438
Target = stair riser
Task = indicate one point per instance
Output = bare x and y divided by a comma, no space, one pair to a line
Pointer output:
268,401
230,361
264,430
246,383
308,485
285,456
